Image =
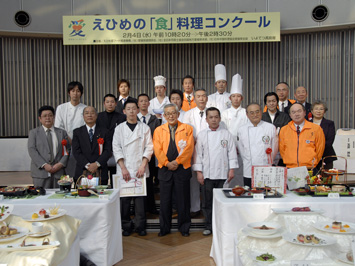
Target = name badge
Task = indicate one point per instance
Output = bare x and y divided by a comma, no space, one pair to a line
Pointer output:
258,196
333,196
300,263
1,198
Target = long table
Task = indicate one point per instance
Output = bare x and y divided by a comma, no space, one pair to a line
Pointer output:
100,229
231,214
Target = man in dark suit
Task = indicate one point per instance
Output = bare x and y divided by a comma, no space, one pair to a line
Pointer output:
48,148
109,119
91,146
301,97
123,88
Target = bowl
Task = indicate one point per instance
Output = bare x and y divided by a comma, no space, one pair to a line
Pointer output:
256,191
256,228
238,191
158,111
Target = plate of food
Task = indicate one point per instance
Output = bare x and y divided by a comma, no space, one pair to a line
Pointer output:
9,232
297,210
248,231
301,191
309,239
260,256
33,245
45,214
264,228
346,257
5,211
336,227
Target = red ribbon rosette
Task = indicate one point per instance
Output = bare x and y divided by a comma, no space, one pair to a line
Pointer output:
268,152
64,147
310,117
90,177
100,141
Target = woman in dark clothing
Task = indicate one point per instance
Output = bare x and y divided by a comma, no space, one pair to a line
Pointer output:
318,110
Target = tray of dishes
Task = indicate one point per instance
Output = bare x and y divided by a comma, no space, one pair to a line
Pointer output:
325,190
11,191
249,193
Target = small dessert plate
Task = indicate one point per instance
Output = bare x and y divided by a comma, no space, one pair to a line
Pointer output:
40,234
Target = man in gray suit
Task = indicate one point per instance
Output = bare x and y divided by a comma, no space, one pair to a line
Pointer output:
48,149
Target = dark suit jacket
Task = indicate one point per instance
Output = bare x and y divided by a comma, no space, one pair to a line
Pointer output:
38,149
309,115
329,133
119,106
281,119
86,152
287,108
102,121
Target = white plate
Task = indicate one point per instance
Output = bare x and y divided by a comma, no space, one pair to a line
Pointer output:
28,217
255,254
38,245
289,211
247,231
342,257
321,226
324,240
21,233
6,212
40,234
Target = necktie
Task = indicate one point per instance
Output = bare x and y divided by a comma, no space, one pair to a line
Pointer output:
189,98
91,134
50,144
282,107
201,113
123,100
172,132
298,130
145,122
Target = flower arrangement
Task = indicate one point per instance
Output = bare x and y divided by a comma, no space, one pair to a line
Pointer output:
65,180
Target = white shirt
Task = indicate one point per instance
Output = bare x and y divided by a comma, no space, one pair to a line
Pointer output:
69,117
194,119
88,129
220,101
54,139
233,119
155,104
147,117
215,153
252,144
181,116
132,146
285,104
272,116
300,125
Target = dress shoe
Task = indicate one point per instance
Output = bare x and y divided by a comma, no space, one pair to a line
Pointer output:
142,233
207,232
126,233
194,214
163,234
185,234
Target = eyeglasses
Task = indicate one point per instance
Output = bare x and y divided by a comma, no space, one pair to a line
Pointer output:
169,114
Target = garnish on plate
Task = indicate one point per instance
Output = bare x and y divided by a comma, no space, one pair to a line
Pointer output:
266,257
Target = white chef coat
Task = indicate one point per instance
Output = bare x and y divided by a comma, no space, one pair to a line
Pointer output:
194,119
155,104
181,116
132,146
252,143
215,153
220,101
69,117
233,119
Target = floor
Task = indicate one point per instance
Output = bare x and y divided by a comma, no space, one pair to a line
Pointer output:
172,249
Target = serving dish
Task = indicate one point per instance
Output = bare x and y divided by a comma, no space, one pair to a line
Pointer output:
28,217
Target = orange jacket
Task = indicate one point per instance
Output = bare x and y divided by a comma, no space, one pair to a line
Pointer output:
185,104
161,140
300,150
291,101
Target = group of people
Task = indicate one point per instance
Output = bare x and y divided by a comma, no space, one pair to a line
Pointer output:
189,141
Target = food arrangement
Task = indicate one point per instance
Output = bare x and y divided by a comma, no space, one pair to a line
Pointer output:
6,231
43,214
308,239
246,192
266,257
301,209
336,227
349,256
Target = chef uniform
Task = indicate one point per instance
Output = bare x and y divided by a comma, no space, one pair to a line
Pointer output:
252,143
215,154
132,146
219,100
234,118
197,119
154,103
70,117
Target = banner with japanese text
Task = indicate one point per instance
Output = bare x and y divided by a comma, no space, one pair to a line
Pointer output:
171,28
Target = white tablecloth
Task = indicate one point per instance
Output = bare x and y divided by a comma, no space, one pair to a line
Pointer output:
231,214
73,257
100,229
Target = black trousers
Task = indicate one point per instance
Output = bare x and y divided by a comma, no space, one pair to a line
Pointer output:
150,200
247,181
139,222
181,186
207,199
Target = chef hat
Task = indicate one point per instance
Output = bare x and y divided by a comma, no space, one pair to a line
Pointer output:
159,81
220,72
237,85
